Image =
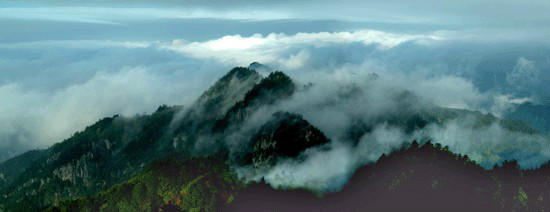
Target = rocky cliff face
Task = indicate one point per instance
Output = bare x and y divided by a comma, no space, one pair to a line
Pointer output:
286,135
75,170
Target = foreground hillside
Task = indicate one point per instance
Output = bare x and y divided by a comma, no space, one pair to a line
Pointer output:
426,178
184,184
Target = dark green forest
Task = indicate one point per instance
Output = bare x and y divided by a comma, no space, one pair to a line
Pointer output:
180,158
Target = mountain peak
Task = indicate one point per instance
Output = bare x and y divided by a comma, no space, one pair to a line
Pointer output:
239,73
231,88
214,103
274,87
260,67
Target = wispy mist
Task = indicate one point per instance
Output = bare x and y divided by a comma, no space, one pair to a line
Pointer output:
389,111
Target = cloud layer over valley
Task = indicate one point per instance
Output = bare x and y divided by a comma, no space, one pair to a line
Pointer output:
370,76
135,73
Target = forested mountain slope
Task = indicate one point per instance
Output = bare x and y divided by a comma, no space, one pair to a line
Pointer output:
189,157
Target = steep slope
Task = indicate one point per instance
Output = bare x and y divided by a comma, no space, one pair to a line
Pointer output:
181,184
213,104
110,151
114,149
274,87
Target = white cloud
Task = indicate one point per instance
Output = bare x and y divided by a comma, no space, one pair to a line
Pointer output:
139,90
503,104
447,91
440,89
489,145
295,61
37,119
320,171
235,49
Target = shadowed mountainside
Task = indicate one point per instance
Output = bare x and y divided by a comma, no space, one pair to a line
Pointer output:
174,184
426,178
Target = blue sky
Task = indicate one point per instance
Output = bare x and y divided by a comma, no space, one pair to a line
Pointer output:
65,64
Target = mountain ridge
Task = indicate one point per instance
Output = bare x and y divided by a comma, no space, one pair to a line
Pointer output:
115,149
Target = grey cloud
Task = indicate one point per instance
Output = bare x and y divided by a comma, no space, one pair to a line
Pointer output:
465,13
